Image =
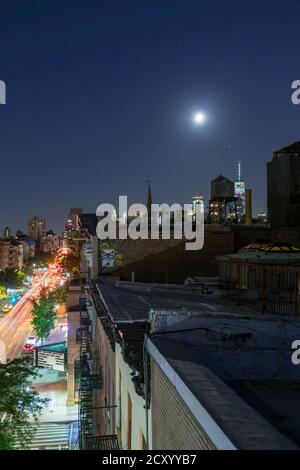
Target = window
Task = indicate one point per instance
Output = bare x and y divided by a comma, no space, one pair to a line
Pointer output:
78,335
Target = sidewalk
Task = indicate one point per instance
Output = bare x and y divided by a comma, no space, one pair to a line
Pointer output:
56,410
52,384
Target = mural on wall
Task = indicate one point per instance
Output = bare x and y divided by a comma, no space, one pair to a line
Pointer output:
110,258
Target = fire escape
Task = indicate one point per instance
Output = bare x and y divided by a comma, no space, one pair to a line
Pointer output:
90,380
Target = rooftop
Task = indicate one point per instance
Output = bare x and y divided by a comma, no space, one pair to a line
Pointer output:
269,247
264,251
240,370
221,178
128,302
88,222
289,150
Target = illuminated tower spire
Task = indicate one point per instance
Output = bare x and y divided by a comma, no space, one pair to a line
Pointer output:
239,193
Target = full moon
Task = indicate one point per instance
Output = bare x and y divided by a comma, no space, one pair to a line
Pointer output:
199,118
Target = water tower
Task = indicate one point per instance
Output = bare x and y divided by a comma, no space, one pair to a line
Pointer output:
222,204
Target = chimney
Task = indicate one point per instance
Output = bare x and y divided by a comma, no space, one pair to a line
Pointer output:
248,217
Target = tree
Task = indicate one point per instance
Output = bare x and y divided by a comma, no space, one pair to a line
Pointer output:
12,278
71,263
41,259
43,316
28,270
3,294
20,404
59,295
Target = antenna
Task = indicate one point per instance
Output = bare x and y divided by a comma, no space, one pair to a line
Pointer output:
239,171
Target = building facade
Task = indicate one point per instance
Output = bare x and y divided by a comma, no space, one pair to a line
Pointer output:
204,384
36,228
4,254
263,275
119,406
74,340
50,243
283,173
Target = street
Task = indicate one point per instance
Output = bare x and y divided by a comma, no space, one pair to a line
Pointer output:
57,427
16,326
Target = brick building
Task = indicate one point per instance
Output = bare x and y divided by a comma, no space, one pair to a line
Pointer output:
174,426
119,405
104,359
120,317
167,261
223,382
207,369
4,254
73,319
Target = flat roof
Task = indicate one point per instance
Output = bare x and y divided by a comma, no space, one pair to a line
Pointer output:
255,415
126,302
263,257
291,149
277,401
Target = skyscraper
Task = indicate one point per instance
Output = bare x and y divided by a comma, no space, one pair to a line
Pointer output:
74,217
240,193
7,233
36,228
196,200
283,173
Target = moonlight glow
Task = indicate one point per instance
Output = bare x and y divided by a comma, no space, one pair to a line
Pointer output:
199,118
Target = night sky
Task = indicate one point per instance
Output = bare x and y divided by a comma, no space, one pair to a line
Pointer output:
100,96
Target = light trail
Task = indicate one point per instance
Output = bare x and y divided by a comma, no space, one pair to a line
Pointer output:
16,326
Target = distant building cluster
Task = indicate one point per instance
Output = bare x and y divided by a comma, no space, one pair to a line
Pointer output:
16,250
75,232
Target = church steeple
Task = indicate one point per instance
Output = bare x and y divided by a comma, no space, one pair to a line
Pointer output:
149,200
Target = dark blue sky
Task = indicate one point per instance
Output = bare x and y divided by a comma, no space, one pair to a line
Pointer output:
100,96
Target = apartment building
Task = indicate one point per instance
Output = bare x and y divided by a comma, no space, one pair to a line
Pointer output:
181,367
4,254
211,372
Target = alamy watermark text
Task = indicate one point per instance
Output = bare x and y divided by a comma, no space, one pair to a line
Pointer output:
162,221
2,92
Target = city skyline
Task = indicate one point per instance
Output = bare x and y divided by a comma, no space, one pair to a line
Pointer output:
143,201
150,229
123,81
